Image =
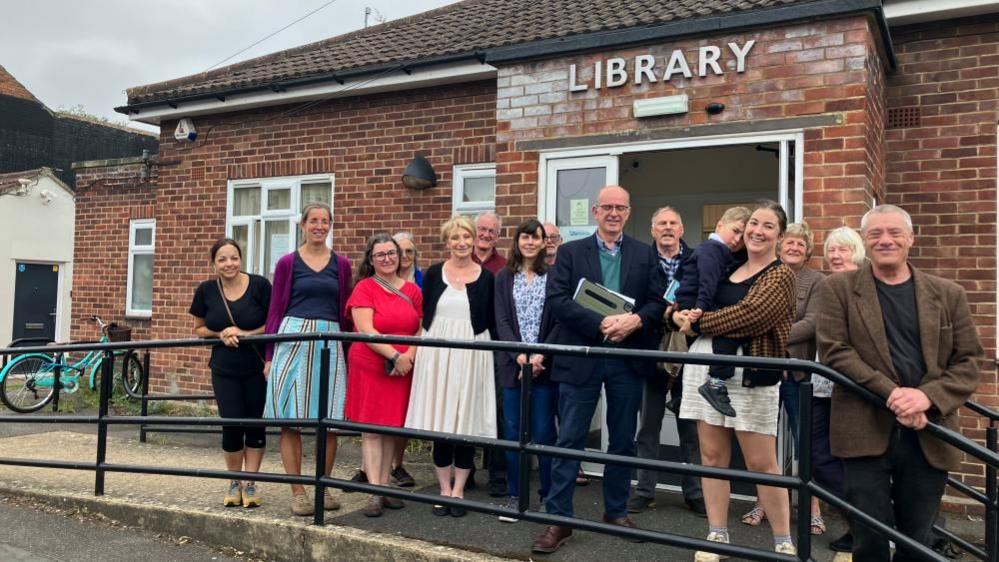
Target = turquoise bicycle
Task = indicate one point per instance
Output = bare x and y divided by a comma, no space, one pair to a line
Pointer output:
27,382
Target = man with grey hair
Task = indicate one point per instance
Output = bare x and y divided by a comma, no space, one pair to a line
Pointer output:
553,239
487,230
907,336
667,240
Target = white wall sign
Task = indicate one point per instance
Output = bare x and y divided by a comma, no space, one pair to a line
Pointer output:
616,72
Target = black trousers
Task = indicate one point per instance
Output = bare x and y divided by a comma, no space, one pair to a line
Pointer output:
446,454
241,397
900,488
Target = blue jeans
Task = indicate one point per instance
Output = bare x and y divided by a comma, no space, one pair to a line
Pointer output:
576,405
543,403
791,401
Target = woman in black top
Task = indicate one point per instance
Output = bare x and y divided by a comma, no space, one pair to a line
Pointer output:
237,371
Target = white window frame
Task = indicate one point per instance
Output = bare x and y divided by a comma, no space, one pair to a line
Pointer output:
797,136
470,171
137,250
292,215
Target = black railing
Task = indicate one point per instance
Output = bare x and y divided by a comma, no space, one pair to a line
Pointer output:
802,483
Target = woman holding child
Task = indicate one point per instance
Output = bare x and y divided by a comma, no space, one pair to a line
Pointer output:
755,303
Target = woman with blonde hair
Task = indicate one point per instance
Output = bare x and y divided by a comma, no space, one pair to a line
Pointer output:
453,389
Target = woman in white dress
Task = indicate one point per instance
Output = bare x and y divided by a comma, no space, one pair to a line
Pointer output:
453,389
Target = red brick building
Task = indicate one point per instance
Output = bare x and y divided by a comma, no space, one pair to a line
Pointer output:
528,108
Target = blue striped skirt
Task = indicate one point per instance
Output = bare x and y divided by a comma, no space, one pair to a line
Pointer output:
293,381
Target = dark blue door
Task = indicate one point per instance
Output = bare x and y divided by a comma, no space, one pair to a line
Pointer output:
36,294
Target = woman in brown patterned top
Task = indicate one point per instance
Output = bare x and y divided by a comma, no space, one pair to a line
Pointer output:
756,302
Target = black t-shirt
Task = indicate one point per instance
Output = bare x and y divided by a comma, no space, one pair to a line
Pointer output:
250,313
898,309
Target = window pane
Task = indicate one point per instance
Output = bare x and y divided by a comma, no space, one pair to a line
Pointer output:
246,201
144,236
576,192
317,193
241,234
278,199
478,190
276,243
142,282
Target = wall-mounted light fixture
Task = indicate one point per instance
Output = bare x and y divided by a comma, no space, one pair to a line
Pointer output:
714,108
419,174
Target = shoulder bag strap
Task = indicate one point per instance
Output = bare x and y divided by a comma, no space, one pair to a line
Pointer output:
232,320
388,287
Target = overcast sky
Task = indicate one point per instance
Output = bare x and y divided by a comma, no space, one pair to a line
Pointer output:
86,53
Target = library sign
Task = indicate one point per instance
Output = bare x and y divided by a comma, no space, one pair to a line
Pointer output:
615,72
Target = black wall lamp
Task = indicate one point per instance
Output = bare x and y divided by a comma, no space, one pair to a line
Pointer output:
419,174
714,108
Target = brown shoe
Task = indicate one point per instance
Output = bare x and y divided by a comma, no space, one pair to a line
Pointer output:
374,507
550,540
392,503
622,522
329,502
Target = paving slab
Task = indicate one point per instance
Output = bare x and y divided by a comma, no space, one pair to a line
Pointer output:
192,506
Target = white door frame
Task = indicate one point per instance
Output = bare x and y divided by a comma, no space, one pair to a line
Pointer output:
549,162
546,196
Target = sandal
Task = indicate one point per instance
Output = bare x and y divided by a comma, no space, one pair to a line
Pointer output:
754,516
817,525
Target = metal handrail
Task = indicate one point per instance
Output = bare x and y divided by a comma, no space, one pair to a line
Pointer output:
802,482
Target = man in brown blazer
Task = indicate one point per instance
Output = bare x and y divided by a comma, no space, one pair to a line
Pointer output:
908,336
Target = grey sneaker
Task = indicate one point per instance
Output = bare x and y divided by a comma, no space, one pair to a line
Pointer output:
638,504
250,496
300,505
511,503
402,478
234,495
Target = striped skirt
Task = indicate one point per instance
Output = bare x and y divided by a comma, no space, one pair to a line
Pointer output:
293,381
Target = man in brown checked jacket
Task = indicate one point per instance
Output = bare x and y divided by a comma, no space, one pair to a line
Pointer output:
907,336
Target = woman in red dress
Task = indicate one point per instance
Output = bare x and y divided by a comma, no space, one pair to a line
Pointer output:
379,374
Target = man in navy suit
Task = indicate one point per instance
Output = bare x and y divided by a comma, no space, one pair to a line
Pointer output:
630,267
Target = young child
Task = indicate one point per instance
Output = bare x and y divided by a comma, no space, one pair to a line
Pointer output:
700,275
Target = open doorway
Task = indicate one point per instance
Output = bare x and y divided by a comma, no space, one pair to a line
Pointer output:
699,183
700,179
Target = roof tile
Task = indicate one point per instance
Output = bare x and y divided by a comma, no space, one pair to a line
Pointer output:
457,28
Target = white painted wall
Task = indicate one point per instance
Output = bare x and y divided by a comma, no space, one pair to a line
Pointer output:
33,231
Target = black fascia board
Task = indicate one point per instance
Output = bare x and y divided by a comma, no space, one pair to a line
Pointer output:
579,43
699,26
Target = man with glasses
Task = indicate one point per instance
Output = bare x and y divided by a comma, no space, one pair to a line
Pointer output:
630,267
487,231
553,239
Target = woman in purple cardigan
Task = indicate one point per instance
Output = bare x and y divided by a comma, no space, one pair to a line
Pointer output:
311,288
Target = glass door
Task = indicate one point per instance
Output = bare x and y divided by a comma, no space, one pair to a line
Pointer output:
572,187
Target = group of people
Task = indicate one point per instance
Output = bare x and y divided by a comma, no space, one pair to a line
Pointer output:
747,290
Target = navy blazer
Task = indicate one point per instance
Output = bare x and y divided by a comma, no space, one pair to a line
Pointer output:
508,329
641,279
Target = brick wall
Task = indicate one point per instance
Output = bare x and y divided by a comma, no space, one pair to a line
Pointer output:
108,196
365,142
943,170
822,68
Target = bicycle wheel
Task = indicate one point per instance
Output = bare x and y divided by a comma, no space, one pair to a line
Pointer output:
131,375
28,385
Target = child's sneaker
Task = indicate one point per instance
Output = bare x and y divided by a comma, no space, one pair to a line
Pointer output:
717,397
